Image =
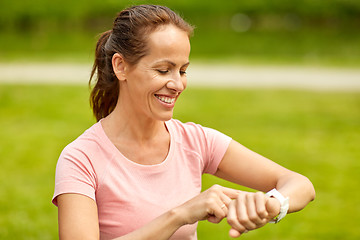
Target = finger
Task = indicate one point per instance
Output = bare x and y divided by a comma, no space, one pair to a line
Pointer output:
272,206
216,217
260,201
217,211
253,216
226,202
231,193
233,221
224,208
234,233
225,199
242,212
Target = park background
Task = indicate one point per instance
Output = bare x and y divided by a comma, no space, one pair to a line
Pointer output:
316,133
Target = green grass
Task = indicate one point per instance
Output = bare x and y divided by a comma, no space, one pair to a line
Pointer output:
314,133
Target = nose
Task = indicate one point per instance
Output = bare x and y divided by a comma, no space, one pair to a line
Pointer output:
177,82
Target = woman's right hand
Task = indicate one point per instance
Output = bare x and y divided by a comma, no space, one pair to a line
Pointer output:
211,205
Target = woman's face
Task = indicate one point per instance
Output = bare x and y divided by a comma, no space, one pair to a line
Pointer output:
153,85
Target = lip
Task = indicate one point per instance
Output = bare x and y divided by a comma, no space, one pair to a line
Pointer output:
166,100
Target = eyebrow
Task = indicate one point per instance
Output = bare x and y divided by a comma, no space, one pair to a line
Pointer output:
171,63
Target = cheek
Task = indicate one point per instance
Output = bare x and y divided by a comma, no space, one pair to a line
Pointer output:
184,81
158,81
154,76
146,82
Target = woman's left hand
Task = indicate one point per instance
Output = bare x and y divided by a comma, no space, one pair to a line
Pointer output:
250,211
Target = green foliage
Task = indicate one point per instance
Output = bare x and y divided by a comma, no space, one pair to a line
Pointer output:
67,10
314,133
308,32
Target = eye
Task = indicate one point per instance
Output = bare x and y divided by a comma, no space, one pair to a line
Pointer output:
163,71
182,72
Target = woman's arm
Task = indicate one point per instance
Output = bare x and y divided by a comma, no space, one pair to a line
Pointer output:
78,217
247,168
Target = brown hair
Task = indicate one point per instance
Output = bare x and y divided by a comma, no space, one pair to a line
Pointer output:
129,38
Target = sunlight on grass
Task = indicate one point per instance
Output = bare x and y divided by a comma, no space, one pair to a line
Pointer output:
314,133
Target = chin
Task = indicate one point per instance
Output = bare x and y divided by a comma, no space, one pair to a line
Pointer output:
165,117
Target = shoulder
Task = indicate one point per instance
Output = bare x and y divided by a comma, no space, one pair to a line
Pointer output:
186,128
86,141
191,134
208,144
87,157
88,147
190,129
186,131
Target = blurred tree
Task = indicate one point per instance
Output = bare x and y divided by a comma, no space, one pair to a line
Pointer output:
59,26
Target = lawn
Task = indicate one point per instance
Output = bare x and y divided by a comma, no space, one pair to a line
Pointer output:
314,133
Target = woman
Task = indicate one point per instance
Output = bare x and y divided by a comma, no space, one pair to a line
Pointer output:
136,173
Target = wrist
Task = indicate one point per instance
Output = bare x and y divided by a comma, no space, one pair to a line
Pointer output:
179,216
284,204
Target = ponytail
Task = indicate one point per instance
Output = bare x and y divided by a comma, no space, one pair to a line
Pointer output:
104,95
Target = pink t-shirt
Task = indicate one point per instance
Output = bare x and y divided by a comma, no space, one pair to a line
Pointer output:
129,195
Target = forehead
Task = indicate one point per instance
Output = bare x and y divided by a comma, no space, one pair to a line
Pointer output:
169,40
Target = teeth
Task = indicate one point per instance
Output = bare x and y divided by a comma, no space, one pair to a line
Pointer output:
165,99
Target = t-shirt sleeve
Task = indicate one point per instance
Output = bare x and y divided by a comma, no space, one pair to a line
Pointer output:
216,145
74,174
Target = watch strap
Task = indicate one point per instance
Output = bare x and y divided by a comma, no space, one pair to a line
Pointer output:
284,204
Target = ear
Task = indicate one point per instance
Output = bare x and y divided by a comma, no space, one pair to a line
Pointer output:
119,66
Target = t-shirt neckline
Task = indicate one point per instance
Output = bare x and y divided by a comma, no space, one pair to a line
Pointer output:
106,140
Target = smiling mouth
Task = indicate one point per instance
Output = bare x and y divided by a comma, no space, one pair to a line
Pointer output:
168,100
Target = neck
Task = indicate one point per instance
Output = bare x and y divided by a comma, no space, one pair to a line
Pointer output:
126,124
